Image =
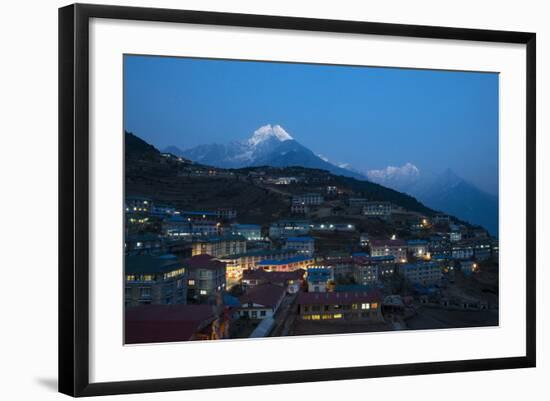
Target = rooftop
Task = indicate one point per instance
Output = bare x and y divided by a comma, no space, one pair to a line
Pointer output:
266,294
148,264
165,323
299,239
319,274
388,242
273,277
417,242
198,213
411,266
353,288
203,261
220,238
249,226
294,259
261,252
142,238
338,298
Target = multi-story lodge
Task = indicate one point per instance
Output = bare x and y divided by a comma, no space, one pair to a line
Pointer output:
302,245
439,244
262,301
455,233
365,272
423,273
482,249
252,232
286,265
396,248
236,264
310,199
417,247
219,245
180,226
364,305
289,228
319,278
378,209
154,280
342,267
462,250
206,276
386,265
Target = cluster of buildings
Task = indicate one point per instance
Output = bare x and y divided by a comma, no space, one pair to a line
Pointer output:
200,271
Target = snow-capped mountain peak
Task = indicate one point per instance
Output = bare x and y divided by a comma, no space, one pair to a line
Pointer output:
268,131
408,171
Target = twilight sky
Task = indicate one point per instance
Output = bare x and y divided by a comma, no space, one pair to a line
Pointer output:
368,117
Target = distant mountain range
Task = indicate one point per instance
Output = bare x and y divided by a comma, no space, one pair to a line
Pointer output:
446,192
268,146
274,146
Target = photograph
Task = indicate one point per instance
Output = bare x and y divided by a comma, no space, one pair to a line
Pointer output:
270,199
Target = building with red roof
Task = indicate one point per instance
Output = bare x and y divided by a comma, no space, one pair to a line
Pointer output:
261,301
360,305
167,323
291,281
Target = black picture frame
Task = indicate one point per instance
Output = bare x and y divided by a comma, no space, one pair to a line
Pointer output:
74,198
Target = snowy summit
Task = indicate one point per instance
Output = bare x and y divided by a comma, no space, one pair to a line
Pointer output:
266,132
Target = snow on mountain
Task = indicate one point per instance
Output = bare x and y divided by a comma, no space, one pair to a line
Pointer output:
268,132
402,178
446,192
407,171
269,145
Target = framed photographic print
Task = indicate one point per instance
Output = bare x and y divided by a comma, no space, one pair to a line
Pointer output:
249,199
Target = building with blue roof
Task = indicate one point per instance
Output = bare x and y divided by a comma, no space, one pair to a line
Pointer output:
319,278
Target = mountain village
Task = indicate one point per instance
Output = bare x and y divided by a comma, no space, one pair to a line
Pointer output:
291,250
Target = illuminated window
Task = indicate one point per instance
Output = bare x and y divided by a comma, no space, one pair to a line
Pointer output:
354,306
315,317
374,305
191,282
365,306
130,277
203,292
338,316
